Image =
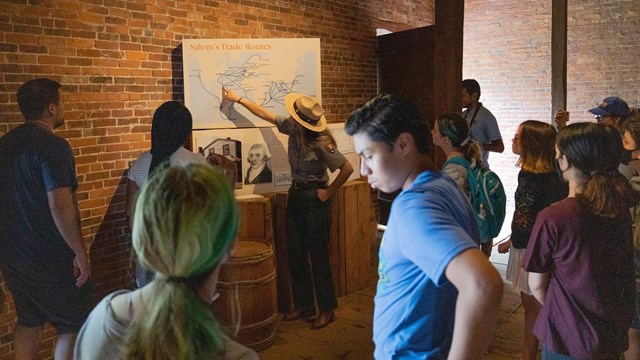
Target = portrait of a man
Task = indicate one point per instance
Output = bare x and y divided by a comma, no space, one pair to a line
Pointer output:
258,171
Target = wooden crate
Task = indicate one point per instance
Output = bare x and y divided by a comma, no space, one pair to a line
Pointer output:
256,222
353,238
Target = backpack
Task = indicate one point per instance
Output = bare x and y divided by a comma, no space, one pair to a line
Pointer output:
488,198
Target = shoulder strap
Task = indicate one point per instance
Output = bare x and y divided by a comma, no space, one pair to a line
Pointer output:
459,160
130,305
473,118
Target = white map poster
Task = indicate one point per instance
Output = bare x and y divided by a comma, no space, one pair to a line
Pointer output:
264,149
260,70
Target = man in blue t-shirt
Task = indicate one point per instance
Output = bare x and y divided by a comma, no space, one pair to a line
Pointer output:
437,295
42,255
482,124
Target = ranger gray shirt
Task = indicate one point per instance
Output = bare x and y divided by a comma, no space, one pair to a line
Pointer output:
309,164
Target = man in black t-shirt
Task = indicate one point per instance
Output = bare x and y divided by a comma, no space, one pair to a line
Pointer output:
42,254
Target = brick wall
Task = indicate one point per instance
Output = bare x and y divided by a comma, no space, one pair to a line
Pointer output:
603,52
118,62
507,49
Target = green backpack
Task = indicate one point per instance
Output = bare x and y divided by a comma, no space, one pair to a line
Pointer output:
488,198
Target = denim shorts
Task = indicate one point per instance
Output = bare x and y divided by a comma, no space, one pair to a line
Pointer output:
635,320
60,303
550,355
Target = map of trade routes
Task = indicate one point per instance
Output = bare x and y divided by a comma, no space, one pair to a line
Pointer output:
261,70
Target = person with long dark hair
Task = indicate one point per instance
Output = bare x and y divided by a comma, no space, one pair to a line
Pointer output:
538,187
170,130
579,255
312,150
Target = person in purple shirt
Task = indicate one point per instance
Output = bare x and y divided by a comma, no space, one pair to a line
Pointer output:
579,255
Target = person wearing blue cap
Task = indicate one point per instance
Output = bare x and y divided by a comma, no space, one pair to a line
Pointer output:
611,111
614,111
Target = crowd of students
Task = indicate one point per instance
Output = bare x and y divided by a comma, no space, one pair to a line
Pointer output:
570,248
574,254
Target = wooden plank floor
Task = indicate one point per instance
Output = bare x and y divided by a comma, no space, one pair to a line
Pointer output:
349,337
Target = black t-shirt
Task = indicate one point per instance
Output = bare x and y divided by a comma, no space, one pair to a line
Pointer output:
33,161
534,193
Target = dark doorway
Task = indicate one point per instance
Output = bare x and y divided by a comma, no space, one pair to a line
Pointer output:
406,67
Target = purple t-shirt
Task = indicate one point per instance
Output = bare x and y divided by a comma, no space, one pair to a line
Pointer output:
590,300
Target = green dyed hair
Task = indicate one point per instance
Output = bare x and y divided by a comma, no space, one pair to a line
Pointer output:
186,220
455,127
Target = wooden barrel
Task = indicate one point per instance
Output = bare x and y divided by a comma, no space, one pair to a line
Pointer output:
248,281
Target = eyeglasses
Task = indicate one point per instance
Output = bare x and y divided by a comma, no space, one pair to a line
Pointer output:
600,118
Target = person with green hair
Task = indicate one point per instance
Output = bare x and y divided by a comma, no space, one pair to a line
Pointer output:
451,133
186,222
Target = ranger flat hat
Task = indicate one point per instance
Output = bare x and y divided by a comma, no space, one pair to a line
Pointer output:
306,110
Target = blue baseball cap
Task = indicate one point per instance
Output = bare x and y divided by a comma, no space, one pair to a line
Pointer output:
611,106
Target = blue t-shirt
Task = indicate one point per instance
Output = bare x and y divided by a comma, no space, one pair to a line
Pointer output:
430,223
33,161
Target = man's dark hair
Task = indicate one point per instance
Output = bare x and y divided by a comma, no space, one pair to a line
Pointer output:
35,95
385,117
472,86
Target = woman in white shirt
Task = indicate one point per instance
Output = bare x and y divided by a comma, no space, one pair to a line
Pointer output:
170,130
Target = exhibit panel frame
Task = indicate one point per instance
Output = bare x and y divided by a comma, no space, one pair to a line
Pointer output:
260,70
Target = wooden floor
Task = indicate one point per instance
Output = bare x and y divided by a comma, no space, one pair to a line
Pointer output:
349,337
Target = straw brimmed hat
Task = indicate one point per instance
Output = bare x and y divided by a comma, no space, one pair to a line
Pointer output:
307,111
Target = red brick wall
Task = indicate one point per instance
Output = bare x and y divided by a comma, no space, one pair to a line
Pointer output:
118,62
507,49
603,53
